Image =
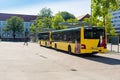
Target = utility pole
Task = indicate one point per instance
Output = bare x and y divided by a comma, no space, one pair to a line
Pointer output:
91,12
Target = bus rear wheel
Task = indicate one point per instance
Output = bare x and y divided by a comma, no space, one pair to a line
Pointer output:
55,47
69,49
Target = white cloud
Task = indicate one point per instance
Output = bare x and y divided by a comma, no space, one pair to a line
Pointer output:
75,7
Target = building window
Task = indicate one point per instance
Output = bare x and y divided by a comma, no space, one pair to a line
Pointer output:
0,29
27,24
3,23
0,23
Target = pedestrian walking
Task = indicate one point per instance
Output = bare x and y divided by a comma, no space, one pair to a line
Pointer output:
26,41
26,38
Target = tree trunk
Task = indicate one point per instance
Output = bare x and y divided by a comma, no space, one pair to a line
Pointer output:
14,35
104,21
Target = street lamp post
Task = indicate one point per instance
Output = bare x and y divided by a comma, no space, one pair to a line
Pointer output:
91,12
36,34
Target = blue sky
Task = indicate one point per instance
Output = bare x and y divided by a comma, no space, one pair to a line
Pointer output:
32,7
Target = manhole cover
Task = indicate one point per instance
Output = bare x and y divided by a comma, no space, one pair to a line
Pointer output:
73,69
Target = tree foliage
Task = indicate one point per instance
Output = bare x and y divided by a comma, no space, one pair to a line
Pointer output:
72,20
44,19
32,28
47,22
14,24
103,6
101,13
66,15
57,19
45,12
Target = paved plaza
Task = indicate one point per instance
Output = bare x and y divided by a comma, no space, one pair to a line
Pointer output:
32,62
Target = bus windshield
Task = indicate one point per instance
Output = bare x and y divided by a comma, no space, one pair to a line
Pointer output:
94,33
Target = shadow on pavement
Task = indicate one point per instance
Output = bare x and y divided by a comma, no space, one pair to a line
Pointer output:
101,59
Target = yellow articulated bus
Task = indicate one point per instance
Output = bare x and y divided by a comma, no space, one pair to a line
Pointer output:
45,39
83,40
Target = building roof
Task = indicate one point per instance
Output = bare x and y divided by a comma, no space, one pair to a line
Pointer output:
27,18
82,17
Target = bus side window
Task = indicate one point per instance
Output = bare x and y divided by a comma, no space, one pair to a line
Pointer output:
68,36
78,36
74,36
64,37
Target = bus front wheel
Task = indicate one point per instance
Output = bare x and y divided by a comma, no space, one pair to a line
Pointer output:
40,43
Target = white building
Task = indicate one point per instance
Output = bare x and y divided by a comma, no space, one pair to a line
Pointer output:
8,35
116,20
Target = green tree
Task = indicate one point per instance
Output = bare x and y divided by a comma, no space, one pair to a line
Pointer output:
47,22
44,19
101,9
57,19
112,32
14,24
72,20
66,15
32,28
101,12
45,12
99,23
38,23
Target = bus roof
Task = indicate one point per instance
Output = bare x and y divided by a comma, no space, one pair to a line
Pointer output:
94,27
67,29
44,32
78,28
72,29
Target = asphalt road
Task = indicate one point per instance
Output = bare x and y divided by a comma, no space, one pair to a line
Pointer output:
32,62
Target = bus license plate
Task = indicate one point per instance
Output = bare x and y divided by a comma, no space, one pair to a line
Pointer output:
94,48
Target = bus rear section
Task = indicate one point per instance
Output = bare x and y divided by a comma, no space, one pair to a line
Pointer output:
45,39
93,40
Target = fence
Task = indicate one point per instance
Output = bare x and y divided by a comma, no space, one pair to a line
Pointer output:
109,37
114,43
12,39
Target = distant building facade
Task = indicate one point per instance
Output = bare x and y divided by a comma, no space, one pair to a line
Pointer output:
27,23
116,20
82,17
